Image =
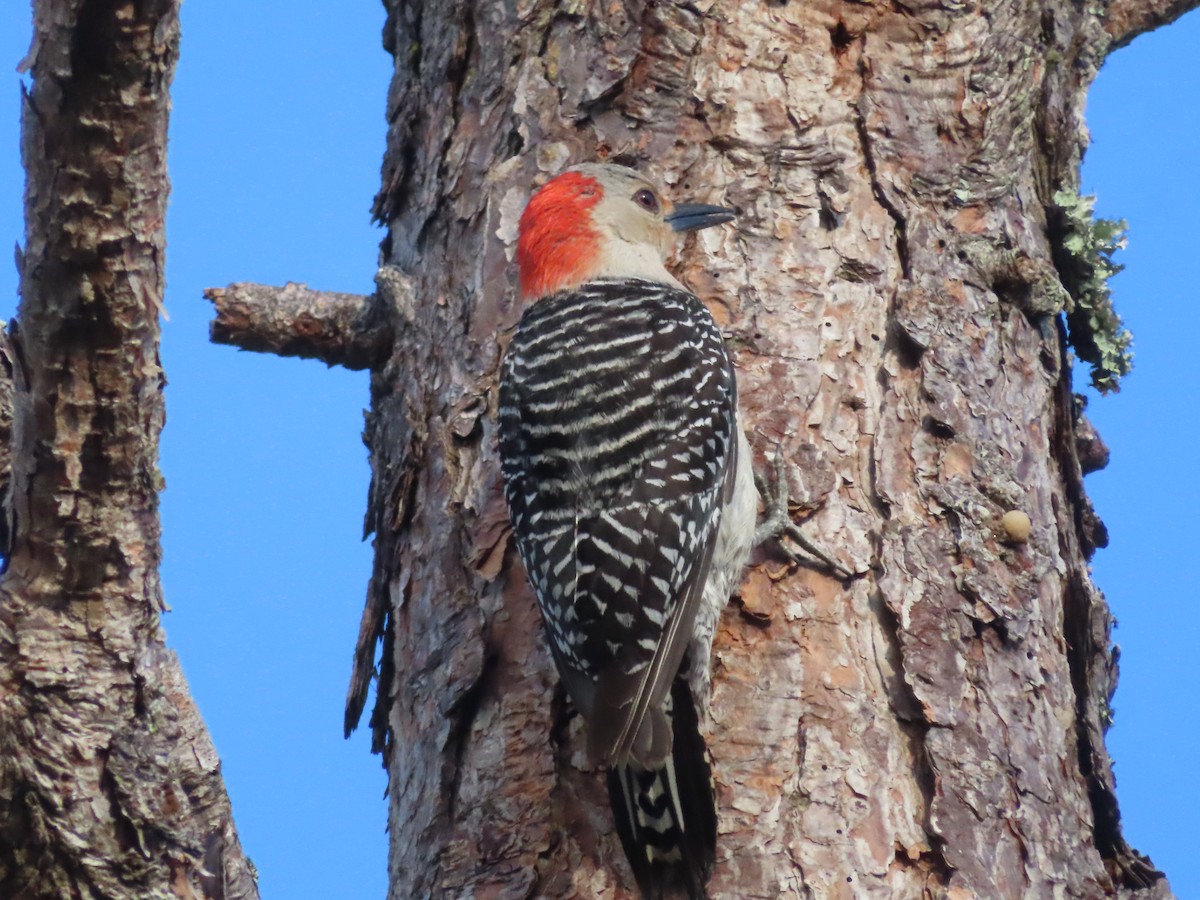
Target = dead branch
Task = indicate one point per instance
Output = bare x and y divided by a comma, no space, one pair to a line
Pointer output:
294,320
1126,19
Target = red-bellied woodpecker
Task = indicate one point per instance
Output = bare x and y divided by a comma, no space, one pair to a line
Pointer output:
632,497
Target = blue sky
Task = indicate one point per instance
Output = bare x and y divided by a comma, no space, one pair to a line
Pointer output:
276,139
1142,166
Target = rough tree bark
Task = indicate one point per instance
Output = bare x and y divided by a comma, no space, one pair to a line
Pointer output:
932,725
109,784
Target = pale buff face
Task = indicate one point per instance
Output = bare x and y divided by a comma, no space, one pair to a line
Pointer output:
600,221
635,241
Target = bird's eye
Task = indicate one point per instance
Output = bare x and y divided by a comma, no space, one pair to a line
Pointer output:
646,200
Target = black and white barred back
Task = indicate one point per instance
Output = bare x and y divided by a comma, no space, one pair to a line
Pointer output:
617,417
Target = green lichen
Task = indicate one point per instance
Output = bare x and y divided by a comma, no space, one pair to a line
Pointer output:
1083,254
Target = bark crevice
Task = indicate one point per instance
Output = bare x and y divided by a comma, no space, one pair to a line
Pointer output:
868,155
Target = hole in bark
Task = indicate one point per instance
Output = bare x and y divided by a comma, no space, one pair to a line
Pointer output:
94,324
998,627
515,143
938,428
908,79
139,696
1014,292
826,217
841,38
1048,25
908,350
93,41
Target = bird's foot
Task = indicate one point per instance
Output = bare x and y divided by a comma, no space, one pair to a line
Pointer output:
777,523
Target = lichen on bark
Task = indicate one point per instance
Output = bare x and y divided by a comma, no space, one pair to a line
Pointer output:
1084,246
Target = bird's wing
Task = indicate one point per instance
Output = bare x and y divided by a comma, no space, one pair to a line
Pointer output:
617,417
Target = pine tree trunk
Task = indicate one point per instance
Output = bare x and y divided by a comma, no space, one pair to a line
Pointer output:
109,784
933,724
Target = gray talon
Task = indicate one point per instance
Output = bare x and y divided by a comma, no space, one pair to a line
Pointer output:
777,522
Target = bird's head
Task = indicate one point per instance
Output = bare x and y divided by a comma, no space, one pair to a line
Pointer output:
601,221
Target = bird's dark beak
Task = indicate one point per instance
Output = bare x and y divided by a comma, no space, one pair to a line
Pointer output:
691,216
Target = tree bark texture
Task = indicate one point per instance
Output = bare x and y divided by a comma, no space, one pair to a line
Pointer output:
109,784
932,725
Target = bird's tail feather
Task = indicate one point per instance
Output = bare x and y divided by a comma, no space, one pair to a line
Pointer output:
666,816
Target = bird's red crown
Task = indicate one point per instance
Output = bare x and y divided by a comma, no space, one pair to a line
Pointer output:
557,244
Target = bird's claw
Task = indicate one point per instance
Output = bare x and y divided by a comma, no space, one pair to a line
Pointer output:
777,522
